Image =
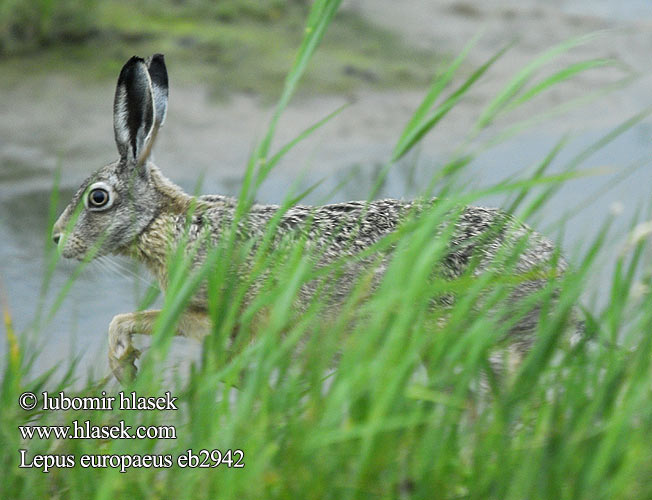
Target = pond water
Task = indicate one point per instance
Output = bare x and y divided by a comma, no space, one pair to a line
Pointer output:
629,9
55,121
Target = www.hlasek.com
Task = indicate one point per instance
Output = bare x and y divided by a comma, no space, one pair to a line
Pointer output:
86,430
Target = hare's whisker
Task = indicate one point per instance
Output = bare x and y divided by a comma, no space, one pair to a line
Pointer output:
101,265
126,272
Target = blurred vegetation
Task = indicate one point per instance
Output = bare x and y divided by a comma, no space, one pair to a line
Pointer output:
244,45
28,24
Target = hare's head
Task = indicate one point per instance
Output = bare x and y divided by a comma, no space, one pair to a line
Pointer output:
116,203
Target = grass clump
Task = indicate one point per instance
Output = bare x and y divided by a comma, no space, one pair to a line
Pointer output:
228,10
31,24
392,398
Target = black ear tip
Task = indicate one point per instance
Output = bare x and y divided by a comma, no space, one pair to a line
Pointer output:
157,70
130,65
134,60
156,61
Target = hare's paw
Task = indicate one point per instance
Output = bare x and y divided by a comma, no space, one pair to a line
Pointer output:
122,354
124,369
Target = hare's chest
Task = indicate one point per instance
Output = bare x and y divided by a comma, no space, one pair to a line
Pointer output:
153,247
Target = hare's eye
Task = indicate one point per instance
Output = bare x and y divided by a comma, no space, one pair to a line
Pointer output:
98,197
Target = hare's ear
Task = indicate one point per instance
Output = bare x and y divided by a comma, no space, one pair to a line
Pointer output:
133,112
158,74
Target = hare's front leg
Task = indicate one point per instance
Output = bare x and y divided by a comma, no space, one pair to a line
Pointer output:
122,354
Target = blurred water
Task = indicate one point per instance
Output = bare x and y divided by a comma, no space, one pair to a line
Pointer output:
628,9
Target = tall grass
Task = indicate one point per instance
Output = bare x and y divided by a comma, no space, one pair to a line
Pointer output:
392,398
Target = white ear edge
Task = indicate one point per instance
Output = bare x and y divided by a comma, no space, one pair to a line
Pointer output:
158,75
160,105
133,112
145,137
120,115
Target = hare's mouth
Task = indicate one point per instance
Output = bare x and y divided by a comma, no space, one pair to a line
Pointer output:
72,254
70,247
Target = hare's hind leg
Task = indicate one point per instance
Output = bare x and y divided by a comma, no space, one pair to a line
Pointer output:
122,354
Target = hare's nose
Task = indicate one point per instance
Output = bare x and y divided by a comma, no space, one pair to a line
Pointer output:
56,230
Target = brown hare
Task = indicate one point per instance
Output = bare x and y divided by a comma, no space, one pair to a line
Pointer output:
129,207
